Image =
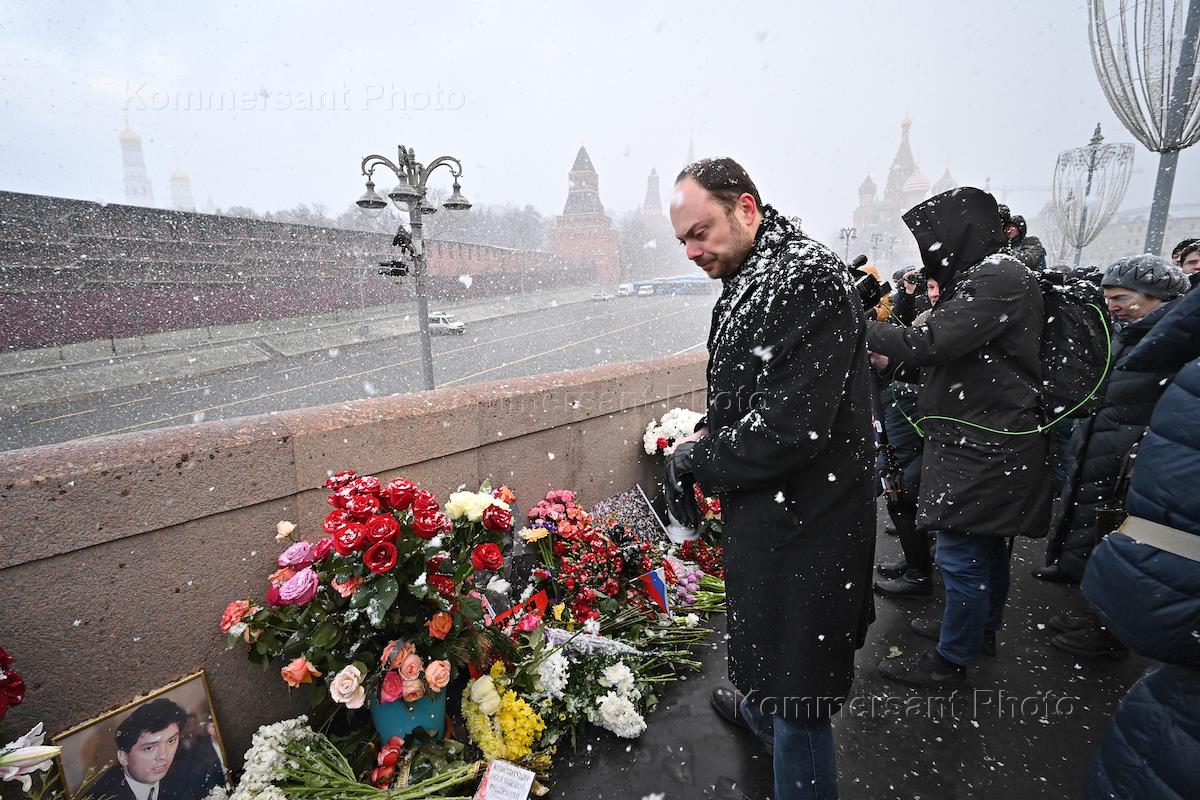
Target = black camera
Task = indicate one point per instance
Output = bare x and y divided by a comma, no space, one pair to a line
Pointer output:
395,269
916,278
870,291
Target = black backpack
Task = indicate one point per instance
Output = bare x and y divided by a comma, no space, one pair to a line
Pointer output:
1076,346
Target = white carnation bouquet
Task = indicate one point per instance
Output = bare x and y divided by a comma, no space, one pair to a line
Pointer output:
675,424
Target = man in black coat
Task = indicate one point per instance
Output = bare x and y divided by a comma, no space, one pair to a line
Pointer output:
1025,248
984,476
787,449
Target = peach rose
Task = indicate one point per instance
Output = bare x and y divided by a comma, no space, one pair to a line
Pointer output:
281,576
411,666
234,613
437,675
349,587
440,624
299,671
413,691
347,687
284,529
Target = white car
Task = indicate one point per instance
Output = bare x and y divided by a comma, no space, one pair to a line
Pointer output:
625,290
441,322
603,297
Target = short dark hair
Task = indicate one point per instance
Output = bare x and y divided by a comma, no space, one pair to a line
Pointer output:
1184,245
1188,249
152,717
723,178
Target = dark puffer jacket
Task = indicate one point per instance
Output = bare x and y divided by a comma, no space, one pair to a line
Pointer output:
1099,445
1150,598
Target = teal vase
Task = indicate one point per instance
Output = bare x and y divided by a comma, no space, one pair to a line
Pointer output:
399,718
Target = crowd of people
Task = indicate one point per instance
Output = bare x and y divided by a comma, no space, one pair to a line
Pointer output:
953,373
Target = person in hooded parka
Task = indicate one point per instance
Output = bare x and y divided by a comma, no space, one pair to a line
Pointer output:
788,452
985,474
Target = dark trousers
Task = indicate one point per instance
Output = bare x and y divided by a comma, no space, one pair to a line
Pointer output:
975,572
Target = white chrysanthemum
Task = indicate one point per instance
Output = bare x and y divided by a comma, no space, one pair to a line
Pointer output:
554,673
619,715
619,677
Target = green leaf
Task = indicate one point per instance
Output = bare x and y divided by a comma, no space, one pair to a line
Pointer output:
386,591
471,608
325,635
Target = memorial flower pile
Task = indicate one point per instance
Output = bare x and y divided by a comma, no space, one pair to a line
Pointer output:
662,434
386,604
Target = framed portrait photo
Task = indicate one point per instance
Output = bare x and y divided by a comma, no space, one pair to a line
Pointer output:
164,746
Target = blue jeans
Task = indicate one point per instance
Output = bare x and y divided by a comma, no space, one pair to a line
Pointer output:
804,758
975,573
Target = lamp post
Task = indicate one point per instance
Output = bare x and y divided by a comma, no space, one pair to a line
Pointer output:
1089,183
876,238
891,250
846,235
410,192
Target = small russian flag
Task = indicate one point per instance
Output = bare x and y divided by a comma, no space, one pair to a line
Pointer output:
655,584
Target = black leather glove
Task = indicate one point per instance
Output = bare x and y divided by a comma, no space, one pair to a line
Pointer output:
680,478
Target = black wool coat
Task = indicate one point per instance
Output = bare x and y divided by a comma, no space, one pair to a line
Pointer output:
1098,448
985,470
789,453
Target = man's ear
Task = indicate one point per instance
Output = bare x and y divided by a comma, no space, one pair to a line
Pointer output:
748,208
122,758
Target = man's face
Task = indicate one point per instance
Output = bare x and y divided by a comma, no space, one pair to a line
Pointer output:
717,240
151,756
1191,264
933,291
1012,231
1128,305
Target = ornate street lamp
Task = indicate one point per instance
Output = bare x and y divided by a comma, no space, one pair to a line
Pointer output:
1145,59
409,193
1089,183
846,235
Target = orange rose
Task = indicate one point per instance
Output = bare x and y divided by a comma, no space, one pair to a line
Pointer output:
281,576
440,625
234,613
298,672
413,691
349,587
437,675
410,668
393,655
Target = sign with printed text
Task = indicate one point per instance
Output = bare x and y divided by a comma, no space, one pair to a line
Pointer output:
505,781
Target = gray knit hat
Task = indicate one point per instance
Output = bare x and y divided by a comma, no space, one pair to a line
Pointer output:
1153,276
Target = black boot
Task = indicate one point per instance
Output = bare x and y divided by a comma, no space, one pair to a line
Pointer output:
910,584
1052,574
914,542
1090,642
932,629
892,569
1068,623
926,670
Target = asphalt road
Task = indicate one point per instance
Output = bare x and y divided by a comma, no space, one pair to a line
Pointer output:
537,341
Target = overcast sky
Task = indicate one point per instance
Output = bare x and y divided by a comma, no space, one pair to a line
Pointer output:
809,96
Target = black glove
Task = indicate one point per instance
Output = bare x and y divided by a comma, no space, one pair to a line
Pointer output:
680,478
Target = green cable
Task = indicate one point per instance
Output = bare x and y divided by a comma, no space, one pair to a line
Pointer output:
1041,428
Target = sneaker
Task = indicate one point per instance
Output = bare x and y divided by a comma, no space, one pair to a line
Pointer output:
1068,623
932,629
1090,642
910,584
892,569
926,670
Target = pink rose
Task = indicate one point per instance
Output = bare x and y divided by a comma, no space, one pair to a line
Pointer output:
298,556
410,667
437,675
300,588
413,691
393,687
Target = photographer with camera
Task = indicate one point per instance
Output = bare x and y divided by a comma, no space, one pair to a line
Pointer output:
980,355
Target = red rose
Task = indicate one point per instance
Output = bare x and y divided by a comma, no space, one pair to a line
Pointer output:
399,494
383,528
368,484
336,520
487,557
424,503
341,497
389,754
323,548
380,557
443,584
430,526
662,443
340,479
497,519
433,564
363,506
351,539
273,599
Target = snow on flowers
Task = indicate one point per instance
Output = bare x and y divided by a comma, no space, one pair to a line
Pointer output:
662,434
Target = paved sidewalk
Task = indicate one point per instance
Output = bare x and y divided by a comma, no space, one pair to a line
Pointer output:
36,376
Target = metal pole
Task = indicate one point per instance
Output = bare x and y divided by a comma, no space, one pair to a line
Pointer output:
418,244
1086,191
1164,186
